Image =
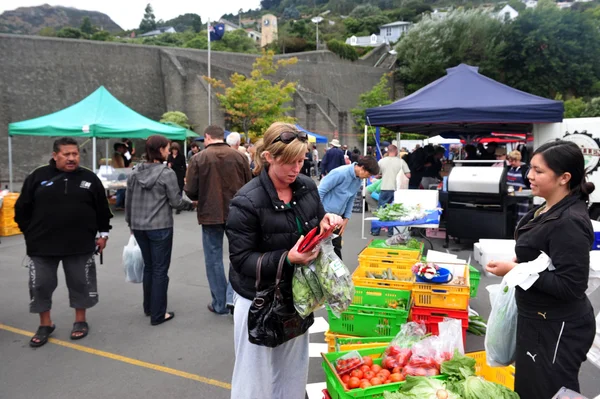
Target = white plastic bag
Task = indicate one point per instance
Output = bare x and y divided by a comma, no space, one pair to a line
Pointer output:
594,353
133,262
501,336
451,330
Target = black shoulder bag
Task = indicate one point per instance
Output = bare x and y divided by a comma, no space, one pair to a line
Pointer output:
272,318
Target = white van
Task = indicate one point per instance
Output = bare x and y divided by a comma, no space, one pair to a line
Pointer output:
585,132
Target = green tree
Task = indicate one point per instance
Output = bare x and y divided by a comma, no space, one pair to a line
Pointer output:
185,22
574,107
102,36
291,13
47,31
517,5
233,42
433,45
149,21
253,102
69,33
86,26
343,50
592,108
365,10
379,95
177,117
553,51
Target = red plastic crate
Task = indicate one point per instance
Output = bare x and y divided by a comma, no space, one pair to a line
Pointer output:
432,316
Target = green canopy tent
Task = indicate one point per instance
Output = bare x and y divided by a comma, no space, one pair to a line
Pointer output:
100,115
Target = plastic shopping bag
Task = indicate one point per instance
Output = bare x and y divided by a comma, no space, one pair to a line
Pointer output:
398,352
306,291
501,336
133,263
335,279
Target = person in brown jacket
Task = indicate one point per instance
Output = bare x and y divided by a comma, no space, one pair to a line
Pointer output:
213,177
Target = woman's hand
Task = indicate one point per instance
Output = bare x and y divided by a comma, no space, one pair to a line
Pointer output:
500,267
297,258
330,220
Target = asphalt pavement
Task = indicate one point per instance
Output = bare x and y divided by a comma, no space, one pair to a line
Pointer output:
124,356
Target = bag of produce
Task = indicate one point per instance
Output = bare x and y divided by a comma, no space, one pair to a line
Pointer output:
133,262
398,352
306,290
501,337
348,362
335,279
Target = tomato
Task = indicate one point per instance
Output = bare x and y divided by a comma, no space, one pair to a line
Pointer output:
345,378
368,360
389,363
376,368
369,374
353,382
381,376
365,384
396,377
387,382
385,372
365,368
356,373
375,381
396,370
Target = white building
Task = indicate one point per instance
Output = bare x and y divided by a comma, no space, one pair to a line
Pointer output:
388,33
159,31
230,27
507,13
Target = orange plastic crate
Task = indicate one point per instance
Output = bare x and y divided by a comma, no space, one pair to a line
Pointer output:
9,231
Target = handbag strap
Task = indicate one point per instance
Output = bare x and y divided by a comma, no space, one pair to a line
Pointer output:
279,269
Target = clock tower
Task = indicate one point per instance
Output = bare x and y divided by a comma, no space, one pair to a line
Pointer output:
268,29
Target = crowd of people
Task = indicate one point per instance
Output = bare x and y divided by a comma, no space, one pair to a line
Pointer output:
265,201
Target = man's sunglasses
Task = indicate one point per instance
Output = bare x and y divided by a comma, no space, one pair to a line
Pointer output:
288,137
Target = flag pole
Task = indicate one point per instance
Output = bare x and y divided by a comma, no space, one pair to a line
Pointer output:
209,85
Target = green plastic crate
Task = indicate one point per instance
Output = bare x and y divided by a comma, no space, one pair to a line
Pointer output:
474,278
336,389
382,298
367,321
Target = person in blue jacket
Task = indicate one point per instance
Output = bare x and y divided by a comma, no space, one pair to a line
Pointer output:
334,157
339,188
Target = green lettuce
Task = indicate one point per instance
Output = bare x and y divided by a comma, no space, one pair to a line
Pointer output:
421,388
478,388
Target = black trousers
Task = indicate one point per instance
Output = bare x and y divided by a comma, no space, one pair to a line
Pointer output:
337,246
549,354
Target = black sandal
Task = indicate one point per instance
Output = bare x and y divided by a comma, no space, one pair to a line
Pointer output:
80,327
171,317
42,334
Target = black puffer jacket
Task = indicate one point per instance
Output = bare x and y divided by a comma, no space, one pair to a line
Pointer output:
566,235
259,222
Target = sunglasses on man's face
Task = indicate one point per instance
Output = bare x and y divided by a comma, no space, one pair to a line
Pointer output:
288,137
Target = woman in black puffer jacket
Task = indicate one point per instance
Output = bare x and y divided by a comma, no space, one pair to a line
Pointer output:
268,216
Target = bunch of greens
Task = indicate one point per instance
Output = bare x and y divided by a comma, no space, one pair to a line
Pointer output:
478,388
477,326
307,292
421,388
391,212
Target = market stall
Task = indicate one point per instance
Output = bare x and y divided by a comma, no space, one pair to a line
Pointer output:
100,115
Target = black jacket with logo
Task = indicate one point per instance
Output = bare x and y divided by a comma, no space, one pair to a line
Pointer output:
60,212
259,222
566,235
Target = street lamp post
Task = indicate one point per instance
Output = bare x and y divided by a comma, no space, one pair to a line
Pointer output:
316,21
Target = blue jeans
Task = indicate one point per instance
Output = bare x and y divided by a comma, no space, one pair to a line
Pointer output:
385,197
212,241
156,246
120,203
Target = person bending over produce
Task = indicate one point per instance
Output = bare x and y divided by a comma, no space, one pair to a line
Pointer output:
339,188
556,326
267,218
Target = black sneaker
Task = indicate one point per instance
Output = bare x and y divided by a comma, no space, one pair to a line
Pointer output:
230,307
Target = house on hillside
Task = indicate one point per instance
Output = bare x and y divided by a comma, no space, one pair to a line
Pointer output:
159,31
388,33
254,35
231,27
507,13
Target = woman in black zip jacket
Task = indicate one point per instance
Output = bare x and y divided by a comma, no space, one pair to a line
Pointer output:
556,325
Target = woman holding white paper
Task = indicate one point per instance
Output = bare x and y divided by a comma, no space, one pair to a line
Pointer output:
556,325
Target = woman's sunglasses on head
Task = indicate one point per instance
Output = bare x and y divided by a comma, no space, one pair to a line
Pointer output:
288,137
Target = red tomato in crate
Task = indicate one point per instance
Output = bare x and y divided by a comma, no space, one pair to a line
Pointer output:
396,370
369,374
376,368
385,372
345,378
367,360
364,368
353,383
356,373
365,384
397,377
376,381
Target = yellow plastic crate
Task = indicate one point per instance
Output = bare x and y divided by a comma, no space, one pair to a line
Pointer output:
500,375
9,200
386,261
405,282
9,231
341,342
330,338
444,296
406,254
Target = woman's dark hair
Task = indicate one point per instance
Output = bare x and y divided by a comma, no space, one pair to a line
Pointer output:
153,146
175,146
369,164
565,156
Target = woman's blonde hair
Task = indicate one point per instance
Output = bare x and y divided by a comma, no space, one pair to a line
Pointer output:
286,153
516,155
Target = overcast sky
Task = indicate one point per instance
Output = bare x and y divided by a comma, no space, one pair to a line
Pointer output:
129,13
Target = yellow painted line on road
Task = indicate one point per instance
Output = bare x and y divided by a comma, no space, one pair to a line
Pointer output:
124,359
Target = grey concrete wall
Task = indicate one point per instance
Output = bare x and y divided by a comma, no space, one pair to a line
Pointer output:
39,76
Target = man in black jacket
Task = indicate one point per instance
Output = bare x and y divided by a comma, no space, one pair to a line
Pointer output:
61,209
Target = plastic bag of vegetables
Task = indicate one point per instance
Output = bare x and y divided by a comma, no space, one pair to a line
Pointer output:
306,290
501,337
335,279
421,388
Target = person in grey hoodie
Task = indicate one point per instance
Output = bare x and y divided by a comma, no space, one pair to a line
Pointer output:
152,193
